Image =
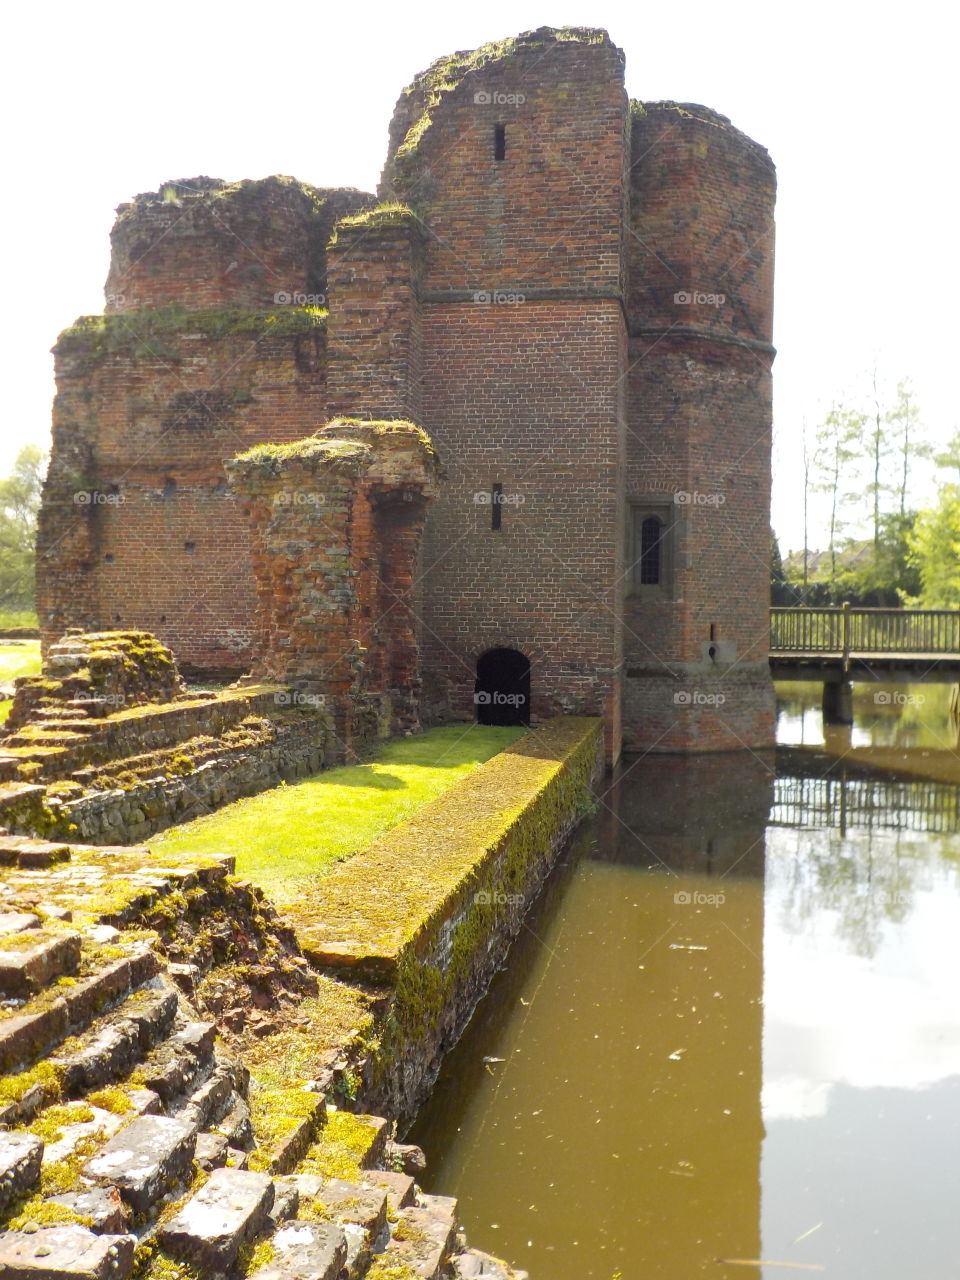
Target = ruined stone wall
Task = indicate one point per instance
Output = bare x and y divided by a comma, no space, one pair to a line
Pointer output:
700,308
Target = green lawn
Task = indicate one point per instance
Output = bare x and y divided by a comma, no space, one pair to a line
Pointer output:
284,838
17,658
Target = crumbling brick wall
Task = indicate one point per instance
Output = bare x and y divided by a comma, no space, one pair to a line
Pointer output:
214,341
337,521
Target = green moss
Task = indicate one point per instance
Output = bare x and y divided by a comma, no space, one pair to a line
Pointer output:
37,1212
45,1075
148,334
341,1149
337,1017
275,1114
64,1175
312,1209
151,1263
51,1123
255,1255
111,1099
384,1270
391,213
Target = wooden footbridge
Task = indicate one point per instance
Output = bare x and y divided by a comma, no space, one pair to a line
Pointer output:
844,643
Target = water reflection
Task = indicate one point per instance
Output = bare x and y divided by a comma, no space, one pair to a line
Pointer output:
730,1030
623,1124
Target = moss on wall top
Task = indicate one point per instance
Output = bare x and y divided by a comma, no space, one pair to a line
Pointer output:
376,904
387,214
247,194
350,445
143,333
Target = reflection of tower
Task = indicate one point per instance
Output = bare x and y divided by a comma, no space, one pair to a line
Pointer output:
699,1016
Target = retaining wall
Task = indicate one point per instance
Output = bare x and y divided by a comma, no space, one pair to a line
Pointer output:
429,911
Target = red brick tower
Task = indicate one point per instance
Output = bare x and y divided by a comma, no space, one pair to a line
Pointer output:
513,159
700,303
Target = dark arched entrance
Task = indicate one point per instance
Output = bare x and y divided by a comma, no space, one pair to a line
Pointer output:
502,690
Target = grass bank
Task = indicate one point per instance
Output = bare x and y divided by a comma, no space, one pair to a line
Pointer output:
286,838
17,658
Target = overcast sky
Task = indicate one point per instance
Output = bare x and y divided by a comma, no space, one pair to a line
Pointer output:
855,102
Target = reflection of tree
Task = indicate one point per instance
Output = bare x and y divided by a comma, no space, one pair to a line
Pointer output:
906,715
869,879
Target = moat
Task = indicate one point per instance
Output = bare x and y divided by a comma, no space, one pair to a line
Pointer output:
729,1030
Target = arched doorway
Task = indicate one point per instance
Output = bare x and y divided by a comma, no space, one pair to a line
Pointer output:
502,689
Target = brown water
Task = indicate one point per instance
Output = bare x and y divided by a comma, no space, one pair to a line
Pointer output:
730,1031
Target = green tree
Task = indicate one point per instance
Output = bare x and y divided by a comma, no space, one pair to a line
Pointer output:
880,453
949,459
836,454
19,503
903,422
935,548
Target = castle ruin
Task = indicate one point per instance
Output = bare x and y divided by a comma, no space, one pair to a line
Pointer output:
493,442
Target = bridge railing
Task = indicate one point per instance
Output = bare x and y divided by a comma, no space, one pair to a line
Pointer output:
846,630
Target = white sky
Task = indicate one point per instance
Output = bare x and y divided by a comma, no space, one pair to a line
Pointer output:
854,101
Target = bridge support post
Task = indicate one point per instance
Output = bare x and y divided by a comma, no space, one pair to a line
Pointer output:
838,702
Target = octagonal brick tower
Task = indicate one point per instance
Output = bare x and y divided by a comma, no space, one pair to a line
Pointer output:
700,311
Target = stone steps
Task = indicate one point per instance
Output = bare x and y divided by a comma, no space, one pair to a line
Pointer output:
31,959
125,1125
43,737
62,721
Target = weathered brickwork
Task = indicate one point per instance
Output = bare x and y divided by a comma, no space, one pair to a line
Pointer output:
700,251
207,243
337,522
569,293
